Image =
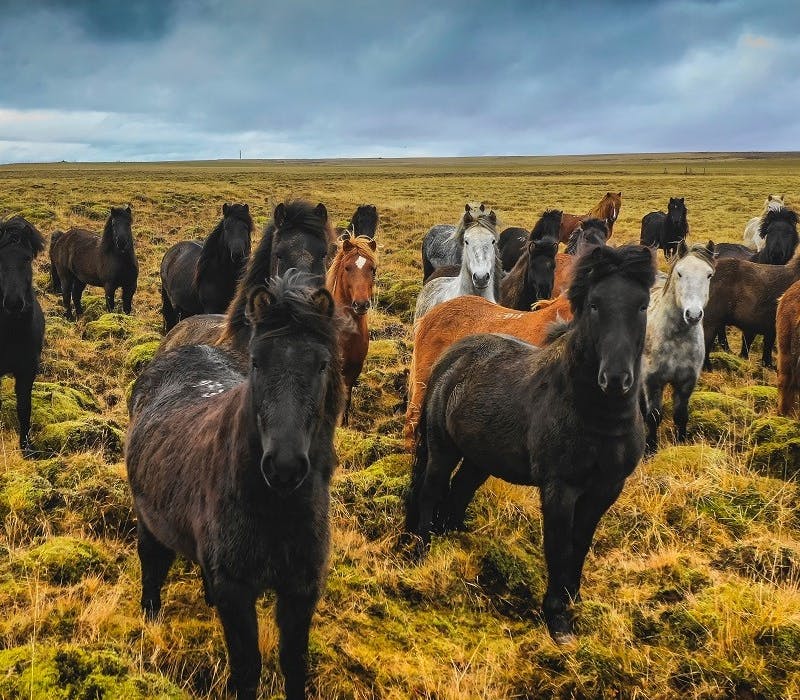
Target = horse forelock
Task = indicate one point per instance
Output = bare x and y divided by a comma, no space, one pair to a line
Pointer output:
547,226
26,231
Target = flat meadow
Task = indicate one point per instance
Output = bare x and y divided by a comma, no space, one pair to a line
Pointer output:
690,589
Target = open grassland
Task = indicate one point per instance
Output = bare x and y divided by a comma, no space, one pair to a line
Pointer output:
690,589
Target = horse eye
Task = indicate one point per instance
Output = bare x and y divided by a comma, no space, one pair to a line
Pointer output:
254,364
643,308
680,275
710,275
493,241
323,366
593,307
466,242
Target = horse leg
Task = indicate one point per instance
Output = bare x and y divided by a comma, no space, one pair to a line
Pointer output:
127,299
465,483
110,290
349,398
66,294
237,610
589,508
747,341
680,411
155,560
722,339
655,396
558,515
168,312
442,460
23,384
293,614
766,355
77,293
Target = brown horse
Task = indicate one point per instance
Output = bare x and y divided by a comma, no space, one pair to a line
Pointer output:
455,319
787,326
607,208
79,258
350,279
745,294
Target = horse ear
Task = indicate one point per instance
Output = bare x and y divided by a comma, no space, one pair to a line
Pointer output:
682,249
769,197
225,209
258,301
128,208
347,245
279,215
482,207
323,301
322,212
466,208
619,194
247,208
373,246
710,247
492,216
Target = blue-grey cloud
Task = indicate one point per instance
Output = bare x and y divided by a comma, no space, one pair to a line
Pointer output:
203,78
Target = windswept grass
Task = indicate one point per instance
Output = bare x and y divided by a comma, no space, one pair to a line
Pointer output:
691,587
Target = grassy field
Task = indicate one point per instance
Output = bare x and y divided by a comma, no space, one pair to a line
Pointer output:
690,589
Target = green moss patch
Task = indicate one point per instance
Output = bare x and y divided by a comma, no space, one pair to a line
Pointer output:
139,356
715,415
109,326
63,560
357,450
50,403
761,398
88,433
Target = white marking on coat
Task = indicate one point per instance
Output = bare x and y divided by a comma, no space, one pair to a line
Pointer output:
361,261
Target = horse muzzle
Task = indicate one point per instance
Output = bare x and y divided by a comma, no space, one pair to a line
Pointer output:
615,383
692,317
284,475
480,281
361,307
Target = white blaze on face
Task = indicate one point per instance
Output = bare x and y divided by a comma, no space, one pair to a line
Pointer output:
361,261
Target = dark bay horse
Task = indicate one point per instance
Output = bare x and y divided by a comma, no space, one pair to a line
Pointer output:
566,418
510,245
21,318
247,497
200,278
351,279
79,258
666,230
299,237
531,278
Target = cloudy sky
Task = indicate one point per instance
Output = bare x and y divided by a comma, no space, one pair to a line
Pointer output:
195,79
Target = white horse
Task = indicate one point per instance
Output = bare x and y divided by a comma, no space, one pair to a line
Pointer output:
480,267
674,345
752,240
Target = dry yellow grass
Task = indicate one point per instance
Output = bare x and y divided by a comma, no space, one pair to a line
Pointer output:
691,587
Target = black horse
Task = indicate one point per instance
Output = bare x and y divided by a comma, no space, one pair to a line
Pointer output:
566,418
80,257
778,228
200,278
21,318
666,231
510,245
364,221
247,497
532,276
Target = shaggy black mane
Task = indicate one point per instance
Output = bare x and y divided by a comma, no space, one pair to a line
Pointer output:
635,262
784,214
364,221
25,230
547,226
108,231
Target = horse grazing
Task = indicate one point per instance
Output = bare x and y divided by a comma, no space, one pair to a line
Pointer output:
752,229
200,278
80,257
21,318
531,278
298,237
745,294
480,271
674,346
591,232
510,245
566,418
607,208
787,326
441,246
666,231
364,222
351,279
456,319
247,497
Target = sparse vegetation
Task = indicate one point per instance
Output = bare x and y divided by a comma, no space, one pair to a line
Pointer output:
690,589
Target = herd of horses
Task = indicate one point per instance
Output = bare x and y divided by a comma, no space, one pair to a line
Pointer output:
535,365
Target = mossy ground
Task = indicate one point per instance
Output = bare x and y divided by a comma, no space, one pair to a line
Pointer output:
691,587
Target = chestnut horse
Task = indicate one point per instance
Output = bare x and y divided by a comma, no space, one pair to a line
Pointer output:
453,320
350,279
607,208
787,326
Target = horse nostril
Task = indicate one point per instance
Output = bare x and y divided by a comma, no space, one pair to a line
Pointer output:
627,383
602,380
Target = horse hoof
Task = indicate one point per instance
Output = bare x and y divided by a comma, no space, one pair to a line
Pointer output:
564,638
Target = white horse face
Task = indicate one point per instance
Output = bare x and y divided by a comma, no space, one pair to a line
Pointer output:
691,278
479,255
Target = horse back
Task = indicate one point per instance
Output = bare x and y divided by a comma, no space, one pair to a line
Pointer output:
77,251
178,267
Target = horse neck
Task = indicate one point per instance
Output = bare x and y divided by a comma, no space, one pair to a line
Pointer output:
107,239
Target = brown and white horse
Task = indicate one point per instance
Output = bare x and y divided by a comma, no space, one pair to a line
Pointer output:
350,279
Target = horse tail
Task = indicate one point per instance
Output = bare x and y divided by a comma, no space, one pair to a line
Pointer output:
55,280
418,467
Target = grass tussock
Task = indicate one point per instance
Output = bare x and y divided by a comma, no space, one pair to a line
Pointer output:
691,587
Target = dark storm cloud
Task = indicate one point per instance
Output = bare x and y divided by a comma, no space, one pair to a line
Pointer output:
203,78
